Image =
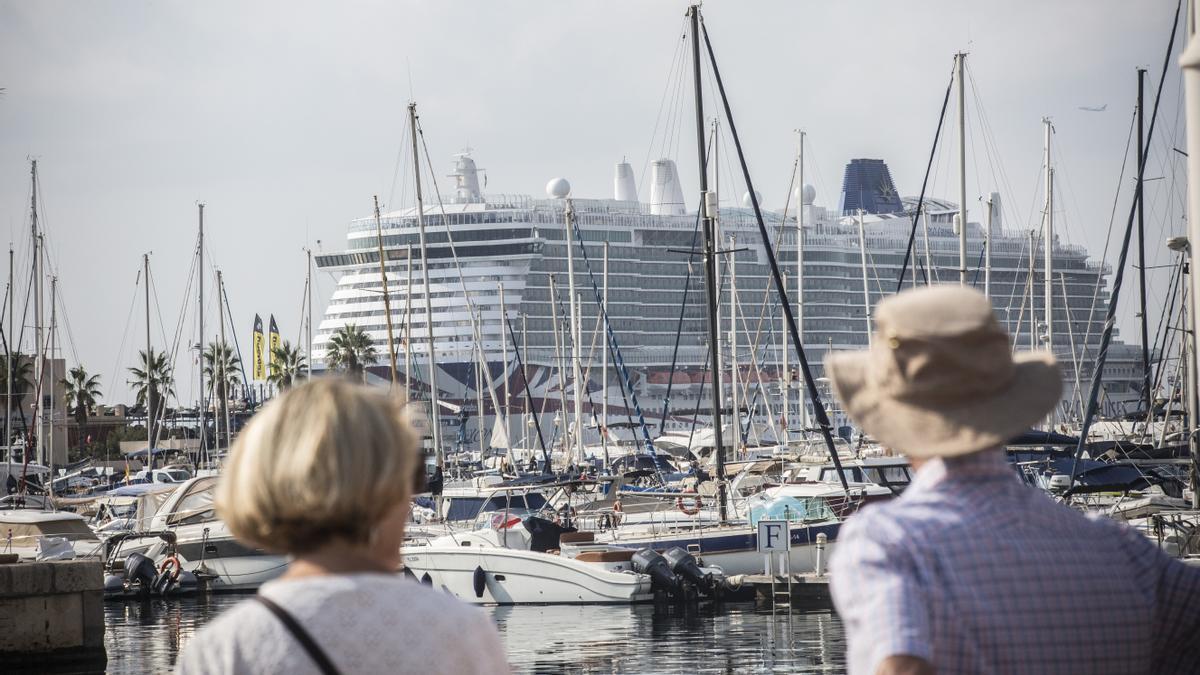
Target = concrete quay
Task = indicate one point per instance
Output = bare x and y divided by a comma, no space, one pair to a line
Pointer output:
52,616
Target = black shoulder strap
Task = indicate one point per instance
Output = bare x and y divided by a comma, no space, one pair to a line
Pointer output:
289,622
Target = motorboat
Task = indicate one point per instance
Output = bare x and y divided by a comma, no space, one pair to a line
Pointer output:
132,575
536,561
204,544
41,535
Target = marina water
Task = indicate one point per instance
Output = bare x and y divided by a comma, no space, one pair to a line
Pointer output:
738,638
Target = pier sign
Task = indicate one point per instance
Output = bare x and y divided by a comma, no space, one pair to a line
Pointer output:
773,536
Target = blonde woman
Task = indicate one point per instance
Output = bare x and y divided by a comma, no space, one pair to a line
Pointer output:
324,473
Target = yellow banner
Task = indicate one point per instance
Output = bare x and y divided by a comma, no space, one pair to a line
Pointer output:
260,344
273,338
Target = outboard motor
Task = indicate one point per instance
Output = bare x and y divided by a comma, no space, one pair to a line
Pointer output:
139,568
683,564
650,562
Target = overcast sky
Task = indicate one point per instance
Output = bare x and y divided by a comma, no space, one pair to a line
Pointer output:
286,117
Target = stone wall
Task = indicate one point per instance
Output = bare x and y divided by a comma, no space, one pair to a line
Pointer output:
52,614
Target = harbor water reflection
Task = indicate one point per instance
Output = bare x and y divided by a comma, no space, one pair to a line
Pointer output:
737,638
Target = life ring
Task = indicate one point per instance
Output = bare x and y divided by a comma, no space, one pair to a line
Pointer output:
688,510
171,563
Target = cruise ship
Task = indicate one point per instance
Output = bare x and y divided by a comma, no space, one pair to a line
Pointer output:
656,299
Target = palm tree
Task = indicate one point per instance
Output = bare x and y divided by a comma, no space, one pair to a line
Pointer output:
350,350
22,367
287,364
22,378
221,368
153,382
82,391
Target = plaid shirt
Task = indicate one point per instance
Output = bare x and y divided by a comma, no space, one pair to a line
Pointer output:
976,572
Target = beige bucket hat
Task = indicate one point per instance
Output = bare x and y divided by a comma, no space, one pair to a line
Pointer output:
940,378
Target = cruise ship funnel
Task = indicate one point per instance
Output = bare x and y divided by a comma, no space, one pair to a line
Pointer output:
666,194
624,187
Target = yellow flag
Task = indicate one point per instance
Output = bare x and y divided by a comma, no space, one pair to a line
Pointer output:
260,344
273,339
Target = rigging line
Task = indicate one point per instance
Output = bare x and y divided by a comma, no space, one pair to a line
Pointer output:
157,305
1099,285
476,331
687,281
67,324
116,369
614,346
778,239
993,147
232,327
1163,330
1118,278
528,394
814,394
400,164
661,106
912,235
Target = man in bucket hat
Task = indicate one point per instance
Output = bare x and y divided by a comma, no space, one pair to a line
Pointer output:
971,570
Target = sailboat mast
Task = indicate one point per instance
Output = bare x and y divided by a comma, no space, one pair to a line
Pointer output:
12,348
987,254
1147,395
222,387
50,361
959,61
709,205
308,300
576,373
1190,65
408,356
434,402
604,367
38,365
503,367
787,373
1048,242
200,342
387,298
736,408
862,254
151,403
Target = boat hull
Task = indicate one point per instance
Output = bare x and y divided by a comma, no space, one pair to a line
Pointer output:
514,577
734,549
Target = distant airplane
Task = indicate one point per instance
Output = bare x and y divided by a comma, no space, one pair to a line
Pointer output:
1094,108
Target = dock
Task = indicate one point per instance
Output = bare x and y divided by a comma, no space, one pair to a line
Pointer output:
800,592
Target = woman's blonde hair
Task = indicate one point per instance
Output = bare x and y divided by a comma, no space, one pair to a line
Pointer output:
324,462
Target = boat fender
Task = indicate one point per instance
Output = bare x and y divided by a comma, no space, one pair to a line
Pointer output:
480,579
426,579
688,510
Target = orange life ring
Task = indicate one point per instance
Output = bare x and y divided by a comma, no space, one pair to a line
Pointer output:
688,510
171,563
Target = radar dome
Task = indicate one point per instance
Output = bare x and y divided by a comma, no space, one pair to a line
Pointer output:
810,194
746,199
558,188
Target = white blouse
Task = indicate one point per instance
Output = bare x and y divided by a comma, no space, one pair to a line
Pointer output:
365,623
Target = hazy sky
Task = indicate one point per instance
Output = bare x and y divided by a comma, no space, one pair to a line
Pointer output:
286,117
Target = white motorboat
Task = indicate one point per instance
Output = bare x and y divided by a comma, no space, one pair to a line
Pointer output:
204,544
33,534
496,565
